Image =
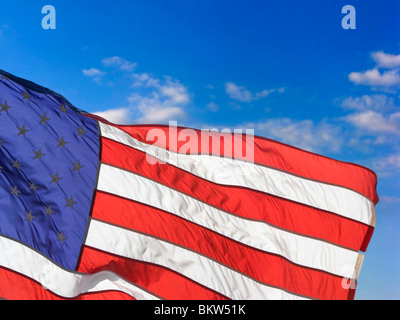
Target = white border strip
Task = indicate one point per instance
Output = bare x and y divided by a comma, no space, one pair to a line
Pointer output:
306,251
205,271
336,199
26,261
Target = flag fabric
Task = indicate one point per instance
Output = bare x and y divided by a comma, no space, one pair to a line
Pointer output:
95,210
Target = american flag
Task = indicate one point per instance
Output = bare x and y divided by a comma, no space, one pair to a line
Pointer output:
95,210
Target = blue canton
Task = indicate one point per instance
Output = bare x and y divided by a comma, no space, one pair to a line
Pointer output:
49,154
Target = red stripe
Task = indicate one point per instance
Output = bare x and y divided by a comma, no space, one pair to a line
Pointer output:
276,155
159,280
15,286
244,202
264,267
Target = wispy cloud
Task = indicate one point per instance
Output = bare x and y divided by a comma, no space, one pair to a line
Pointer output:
378,102
212,106
117,116
242,94
373,121
238,93
175,92
152,100
143,80
165,101
93,72
305,134
119,62
389,200
376,118
386,60
380,78
387,166
167,87
152,111
375,78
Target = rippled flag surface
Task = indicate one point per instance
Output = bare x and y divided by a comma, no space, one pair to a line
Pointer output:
94,210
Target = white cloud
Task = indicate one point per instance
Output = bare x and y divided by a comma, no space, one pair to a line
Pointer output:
161,114
389,199
388,165
212,106
165,102
174,91
375,78
263,93
373,121
117,116
144,80
155,109
154,100
304,134
378,102
238,93
378,79
93,72
168,87
140,80
243,95
385,60
123,64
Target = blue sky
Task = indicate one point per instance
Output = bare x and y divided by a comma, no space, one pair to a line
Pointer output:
284,68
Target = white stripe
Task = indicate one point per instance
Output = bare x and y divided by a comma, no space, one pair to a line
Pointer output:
302,250
203,270
24,260
339,200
